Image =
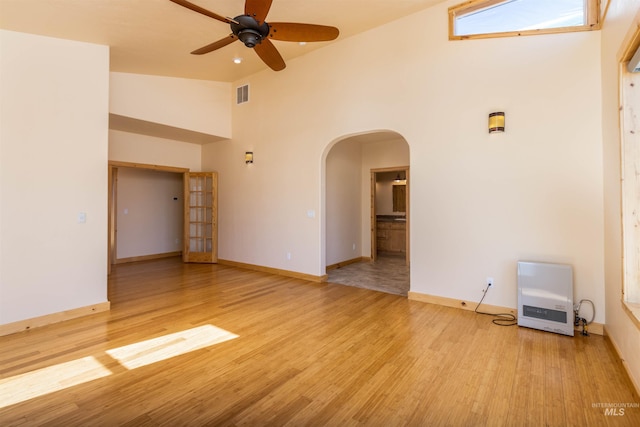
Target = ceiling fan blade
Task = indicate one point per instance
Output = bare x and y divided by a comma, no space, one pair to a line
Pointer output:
258,9
294,32
270,55
201,10
215,45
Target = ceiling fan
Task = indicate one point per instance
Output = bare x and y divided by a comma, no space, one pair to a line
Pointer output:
252,29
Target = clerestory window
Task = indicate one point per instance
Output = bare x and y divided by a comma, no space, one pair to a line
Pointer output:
507,18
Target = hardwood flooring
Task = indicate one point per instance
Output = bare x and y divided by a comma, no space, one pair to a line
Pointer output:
194,345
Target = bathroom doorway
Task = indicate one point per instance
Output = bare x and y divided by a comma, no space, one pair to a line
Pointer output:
390,213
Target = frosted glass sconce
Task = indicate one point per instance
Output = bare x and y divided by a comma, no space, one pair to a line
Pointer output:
248,157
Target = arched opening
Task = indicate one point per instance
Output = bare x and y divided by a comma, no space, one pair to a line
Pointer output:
366,242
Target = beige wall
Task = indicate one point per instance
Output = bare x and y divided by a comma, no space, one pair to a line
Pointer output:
343,207
158,110
150,212
479,202
196,105
622,19
53,156
136,148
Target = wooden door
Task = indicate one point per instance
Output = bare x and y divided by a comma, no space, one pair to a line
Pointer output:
200,217
374,222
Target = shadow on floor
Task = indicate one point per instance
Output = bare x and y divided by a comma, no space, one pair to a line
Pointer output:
389,273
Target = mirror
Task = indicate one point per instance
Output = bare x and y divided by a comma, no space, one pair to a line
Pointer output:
399,198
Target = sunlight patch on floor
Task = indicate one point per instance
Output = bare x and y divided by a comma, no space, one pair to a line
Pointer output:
58,377
154,350
50,379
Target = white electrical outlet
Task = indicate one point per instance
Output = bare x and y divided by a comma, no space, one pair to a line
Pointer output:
490,282
289,256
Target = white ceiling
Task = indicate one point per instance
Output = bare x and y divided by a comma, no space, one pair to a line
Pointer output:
156,36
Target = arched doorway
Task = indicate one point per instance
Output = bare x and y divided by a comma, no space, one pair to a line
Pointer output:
351,166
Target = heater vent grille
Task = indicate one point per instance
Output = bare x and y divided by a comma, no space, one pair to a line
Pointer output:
545,297
242,94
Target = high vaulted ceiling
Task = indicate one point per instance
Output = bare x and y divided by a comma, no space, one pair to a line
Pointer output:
156,36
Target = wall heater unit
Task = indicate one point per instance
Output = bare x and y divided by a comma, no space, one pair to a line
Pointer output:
545,297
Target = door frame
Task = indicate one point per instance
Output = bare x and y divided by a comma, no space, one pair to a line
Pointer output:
374,227
112,208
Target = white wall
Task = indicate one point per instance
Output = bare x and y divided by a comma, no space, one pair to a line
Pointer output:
196,105
622,19
150,212
343,207
479,202
53,165
136,148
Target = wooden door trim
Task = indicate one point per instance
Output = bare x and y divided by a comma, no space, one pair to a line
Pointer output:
374,171
113,166
111,218
374,221
162,168
407,216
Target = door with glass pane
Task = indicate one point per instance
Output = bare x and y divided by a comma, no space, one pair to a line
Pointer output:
200,217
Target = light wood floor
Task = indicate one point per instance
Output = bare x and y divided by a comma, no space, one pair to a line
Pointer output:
261,350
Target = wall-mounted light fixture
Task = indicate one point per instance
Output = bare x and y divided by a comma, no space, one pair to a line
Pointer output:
248,157
496,122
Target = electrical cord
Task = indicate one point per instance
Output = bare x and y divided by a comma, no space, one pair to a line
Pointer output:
581,320
593,309
502,319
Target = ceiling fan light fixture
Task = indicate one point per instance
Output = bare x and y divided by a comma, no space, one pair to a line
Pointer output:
250,37
251,28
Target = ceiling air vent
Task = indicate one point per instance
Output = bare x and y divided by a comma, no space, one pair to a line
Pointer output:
242,94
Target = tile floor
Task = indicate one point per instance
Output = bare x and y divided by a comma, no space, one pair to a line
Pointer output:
389,273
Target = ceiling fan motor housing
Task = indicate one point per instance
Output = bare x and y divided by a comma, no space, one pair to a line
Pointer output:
248,30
